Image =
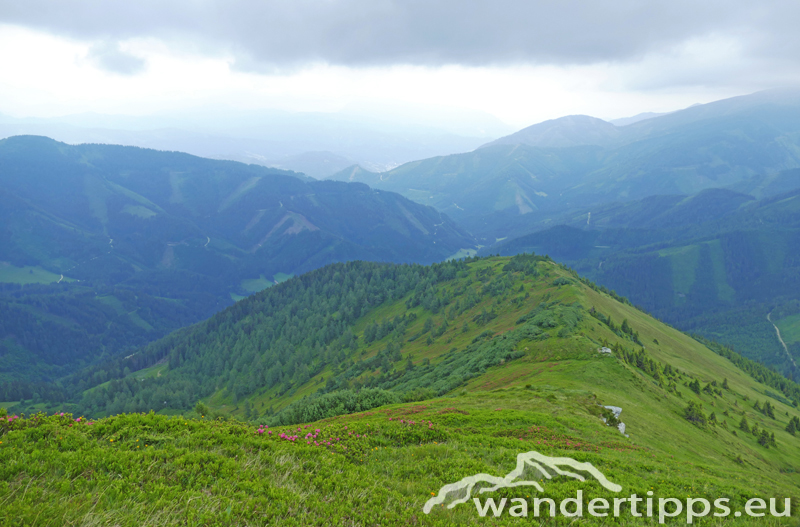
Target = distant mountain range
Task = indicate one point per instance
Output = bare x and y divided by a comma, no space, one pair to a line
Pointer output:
577,162
290,140
691,214
142,230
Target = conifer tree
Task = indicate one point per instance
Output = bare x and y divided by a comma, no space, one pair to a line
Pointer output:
743,424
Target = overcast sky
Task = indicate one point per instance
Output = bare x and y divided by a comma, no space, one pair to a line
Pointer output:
520,60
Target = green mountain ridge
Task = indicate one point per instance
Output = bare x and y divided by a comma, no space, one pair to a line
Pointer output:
138,233
452,369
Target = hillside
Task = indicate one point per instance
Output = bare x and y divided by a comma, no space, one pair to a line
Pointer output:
451,370
572,130
577,162
715,263
131,235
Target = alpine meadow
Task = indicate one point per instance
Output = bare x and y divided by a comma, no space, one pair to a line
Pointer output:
372,264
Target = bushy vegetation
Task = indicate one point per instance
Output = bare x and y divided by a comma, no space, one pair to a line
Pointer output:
322,406
381,465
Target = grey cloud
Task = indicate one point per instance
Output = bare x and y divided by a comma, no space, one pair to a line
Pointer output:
109,56
277,34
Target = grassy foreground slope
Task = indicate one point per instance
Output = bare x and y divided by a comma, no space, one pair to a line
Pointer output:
491,358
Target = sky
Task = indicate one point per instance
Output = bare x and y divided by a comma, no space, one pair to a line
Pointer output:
521,61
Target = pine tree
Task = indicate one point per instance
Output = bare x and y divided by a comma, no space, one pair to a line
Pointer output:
694,413
725,384
743,425
792,426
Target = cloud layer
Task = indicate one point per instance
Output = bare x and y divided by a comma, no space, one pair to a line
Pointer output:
278,33
110,57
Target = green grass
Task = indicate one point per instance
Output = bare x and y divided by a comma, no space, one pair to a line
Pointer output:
117,305
281,277
684,264
143,469
254,285
138,210
139,321
462,253
790,328
28,275
724,291
114,302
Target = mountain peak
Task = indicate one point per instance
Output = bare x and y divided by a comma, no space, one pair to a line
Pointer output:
571,130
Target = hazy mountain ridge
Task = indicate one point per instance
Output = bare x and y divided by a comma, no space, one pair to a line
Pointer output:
274,137
571,130
179,228
715,145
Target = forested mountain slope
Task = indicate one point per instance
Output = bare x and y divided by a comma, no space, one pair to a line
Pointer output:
578,162
142,242
452,370
715,263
